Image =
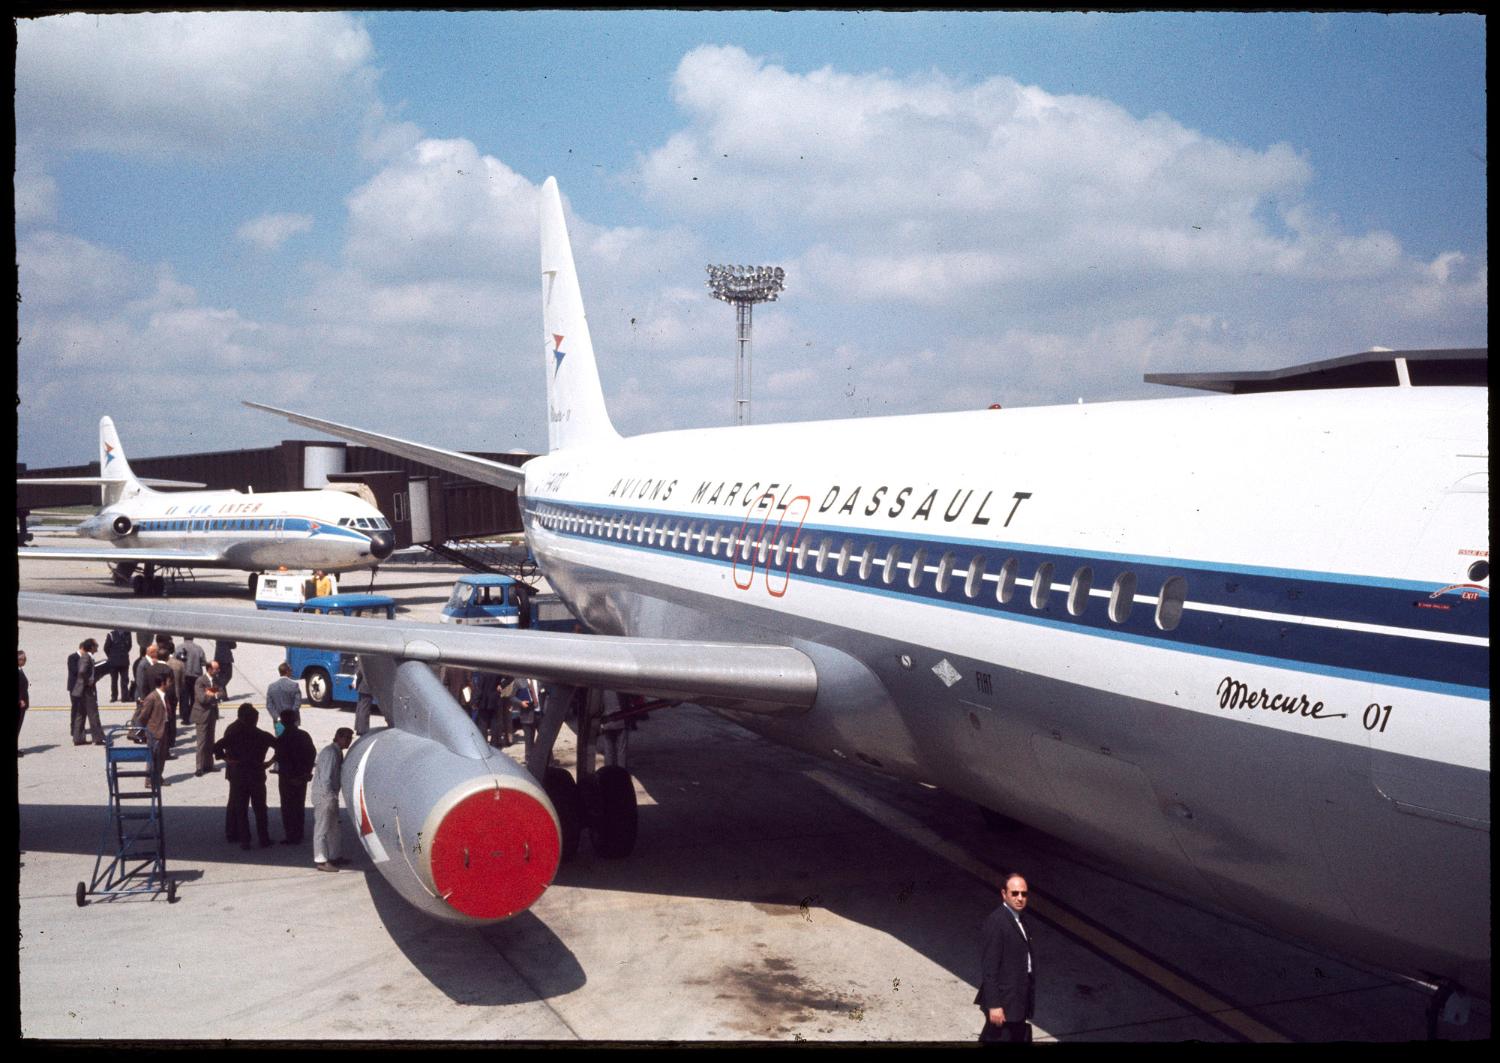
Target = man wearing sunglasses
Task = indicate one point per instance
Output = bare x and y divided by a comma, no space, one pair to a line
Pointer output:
1007,982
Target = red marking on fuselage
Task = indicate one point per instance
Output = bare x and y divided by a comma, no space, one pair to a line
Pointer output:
365,826
786,567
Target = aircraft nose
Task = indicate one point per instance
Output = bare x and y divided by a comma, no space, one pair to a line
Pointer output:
382,544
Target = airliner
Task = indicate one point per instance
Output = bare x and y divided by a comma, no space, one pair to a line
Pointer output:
1237,644
329,529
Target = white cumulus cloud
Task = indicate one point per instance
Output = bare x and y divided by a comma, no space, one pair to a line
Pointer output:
270,231
183,82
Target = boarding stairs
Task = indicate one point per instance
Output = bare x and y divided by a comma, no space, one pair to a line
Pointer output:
132,856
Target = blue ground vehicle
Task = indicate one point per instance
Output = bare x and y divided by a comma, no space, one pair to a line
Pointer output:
329,674
487,599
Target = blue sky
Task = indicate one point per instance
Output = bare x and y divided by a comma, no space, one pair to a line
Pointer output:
336,212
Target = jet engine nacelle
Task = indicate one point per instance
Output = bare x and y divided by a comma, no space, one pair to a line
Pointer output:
121,526
460,830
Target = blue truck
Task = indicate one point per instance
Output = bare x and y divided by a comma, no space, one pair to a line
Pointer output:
487,599
329,674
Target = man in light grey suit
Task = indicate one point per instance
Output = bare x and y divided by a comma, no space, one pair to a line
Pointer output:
192,657
205,716
284,693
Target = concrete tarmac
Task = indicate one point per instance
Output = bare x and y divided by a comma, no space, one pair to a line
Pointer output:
771,896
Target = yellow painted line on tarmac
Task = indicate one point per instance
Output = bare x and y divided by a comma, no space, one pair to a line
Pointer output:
69,708
1122,952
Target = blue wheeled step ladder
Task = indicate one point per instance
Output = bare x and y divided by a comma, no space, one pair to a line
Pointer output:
133,849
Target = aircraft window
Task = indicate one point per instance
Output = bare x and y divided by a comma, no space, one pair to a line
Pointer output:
975,579
892,559
765,547
823,548
1122,597
944,573
865,560
916,572
1169,605
1041,585
1078,593
844,551
746,546
802,547
343,522
781,543
1005,581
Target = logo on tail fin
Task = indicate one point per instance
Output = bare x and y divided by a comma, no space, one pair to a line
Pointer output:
109,454
557,353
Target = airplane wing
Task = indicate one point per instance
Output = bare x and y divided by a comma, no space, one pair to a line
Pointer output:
97,481
770,680
482,469
180,558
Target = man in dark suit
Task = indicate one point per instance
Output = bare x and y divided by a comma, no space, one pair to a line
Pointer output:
81,688
1007,982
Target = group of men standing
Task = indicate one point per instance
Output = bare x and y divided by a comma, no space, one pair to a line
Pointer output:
248,752
172,684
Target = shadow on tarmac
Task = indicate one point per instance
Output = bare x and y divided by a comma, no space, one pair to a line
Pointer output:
445,953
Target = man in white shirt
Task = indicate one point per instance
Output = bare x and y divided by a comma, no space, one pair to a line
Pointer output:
326,781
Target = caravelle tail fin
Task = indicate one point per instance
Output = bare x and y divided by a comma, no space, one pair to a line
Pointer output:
575,401
115,479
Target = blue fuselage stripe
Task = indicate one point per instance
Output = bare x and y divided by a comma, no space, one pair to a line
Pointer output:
1423,659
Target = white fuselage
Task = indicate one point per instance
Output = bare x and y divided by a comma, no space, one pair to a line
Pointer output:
331,530
1239,643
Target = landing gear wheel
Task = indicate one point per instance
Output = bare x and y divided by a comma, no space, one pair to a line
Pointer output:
319,688
562,791
138,583
251,581
158,586
614,829
82,895
172,892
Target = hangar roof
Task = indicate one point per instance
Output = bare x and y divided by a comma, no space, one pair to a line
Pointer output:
1368,369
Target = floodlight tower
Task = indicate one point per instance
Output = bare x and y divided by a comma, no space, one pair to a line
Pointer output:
744,286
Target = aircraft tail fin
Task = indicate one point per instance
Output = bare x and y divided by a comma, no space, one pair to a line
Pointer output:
575,400
116,477
116,480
